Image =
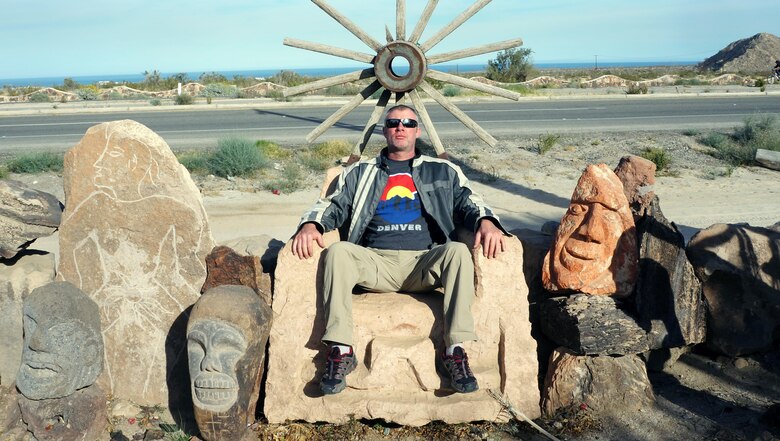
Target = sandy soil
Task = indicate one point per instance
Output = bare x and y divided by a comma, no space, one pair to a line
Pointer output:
699,397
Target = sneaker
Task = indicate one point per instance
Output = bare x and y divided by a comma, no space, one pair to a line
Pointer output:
336,369
457,366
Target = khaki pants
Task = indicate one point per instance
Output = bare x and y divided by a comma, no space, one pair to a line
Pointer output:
448,266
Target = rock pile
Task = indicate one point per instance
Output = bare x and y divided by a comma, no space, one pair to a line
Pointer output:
751,55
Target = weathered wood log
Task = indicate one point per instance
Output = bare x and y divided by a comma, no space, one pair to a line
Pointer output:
592,325
768,158
423,21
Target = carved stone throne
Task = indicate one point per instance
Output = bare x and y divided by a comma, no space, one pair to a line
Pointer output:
397,339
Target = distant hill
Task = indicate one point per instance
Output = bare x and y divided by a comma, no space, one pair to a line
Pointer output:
750,55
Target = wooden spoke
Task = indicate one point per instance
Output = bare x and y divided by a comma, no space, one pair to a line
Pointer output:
420,27
329,50
457,113
347,23
400,19
479,50
471,84
343,111
447,30
426,119
332,81
379,110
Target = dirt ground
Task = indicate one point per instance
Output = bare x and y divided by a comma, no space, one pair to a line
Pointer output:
700,397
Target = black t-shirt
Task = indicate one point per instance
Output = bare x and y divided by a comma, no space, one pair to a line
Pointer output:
400,222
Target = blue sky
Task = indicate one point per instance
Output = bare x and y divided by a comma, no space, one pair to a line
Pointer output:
94,37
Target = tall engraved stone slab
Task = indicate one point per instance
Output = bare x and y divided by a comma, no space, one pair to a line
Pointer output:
134,237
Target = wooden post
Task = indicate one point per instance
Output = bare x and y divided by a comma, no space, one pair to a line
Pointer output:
418,104
329,50
471,84
347,23
447,30
327,82
457,113
343,111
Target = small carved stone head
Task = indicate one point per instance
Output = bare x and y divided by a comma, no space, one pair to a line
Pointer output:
226,336
63,346
594,250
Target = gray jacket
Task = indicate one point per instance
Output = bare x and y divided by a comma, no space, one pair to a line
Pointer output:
443,189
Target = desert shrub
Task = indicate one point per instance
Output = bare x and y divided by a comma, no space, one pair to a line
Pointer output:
753,128
87,93
332,149
636,89
183,100
273,150
291,179
245,94
236,157
212,77
277,95
194,162
155,101
450,90
114,95
715,140
691,82
342,90
39,97
547,142
522,89
657,156
691,132
221,90
36,163
3,172
288,78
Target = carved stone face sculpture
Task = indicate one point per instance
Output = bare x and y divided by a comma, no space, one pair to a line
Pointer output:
226,336
594,250
63,347
214,347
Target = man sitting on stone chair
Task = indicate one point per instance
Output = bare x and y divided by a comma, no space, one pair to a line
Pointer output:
401,209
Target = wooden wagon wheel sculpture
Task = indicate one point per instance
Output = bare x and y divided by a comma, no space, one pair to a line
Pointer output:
409,83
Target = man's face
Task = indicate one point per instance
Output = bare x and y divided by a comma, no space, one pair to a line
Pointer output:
401,139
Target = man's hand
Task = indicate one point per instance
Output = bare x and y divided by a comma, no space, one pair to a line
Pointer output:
302,241
490,237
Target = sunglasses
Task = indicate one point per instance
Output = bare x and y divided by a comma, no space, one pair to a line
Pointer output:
394,122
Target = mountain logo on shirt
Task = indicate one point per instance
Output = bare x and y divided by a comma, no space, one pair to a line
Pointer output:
399,203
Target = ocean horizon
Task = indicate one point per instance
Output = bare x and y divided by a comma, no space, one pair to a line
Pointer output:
311,72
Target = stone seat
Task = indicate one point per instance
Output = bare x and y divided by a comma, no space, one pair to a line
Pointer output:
397,339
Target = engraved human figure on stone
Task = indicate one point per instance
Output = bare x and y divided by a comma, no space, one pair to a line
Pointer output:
226,337
63,347
137,239
594,250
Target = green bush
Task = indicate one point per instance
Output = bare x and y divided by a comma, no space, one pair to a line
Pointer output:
547,142
658,156
637,89
194,162
715,140
87,93
332,149
277,95
291,179
343,90
212,77
236,157
753,128
155,101
183,100
3,172
220,90
273,150
451,90
510,66
39,97
288,78
36,163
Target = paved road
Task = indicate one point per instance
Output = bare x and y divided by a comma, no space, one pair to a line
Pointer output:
184,129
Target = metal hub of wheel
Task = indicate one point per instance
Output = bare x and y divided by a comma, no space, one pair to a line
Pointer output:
387,74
